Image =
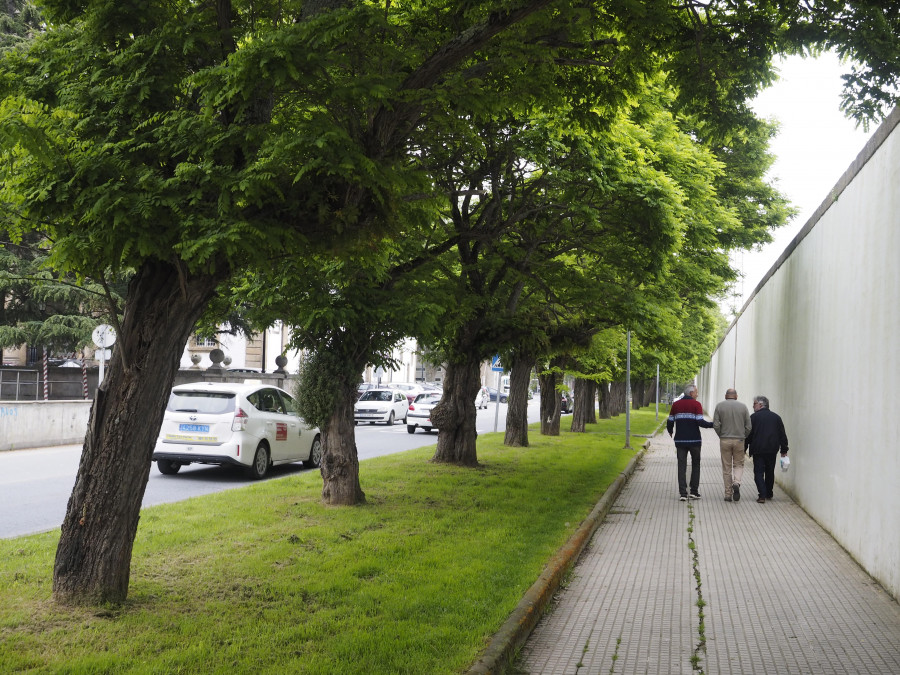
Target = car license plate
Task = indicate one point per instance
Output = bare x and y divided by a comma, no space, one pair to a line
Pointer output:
203,428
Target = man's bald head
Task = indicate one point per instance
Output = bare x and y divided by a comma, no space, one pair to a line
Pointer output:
731,393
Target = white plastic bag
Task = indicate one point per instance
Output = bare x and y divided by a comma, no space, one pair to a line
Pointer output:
785,463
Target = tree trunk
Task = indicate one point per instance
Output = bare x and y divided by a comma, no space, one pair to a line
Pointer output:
550,403
517,412
650,394
340,457
639,389
455,415
583,405
617,398
591,417
93,558
605,400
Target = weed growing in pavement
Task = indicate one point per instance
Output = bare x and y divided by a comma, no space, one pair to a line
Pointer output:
584,650
615,656
696,659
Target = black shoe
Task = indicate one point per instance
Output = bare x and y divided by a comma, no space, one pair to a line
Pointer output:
770,496
695,495
736,490
761,500
682,498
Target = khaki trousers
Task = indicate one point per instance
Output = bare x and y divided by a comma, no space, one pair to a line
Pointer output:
732,450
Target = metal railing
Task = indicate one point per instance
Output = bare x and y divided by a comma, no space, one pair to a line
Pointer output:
27,384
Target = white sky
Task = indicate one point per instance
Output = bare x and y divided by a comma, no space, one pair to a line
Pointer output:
814,147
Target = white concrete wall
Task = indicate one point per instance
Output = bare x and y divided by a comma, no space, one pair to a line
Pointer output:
31,424
819,338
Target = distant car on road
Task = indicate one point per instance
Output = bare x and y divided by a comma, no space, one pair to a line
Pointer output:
482,398
381,405
408,389
250,425
420,412
504,397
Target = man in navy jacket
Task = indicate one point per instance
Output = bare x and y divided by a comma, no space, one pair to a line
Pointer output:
686,417
766,439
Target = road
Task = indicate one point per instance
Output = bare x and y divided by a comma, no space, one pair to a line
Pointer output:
35,484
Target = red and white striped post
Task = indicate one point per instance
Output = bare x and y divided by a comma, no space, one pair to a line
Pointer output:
84,388
46,384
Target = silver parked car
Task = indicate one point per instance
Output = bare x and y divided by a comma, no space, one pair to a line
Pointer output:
249,424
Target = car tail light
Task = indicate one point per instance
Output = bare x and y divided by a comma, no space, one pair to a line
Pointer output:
412,407
240,420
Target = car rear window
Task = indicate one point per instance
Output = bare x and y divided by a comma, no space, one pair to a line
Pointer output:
207,402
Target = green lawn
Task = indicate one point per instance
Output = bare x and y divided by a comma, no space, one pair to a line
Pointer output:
267,579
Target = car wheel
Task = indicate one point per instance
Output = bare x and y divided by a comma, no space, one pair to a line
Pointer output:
167,466
260,466
427,430
315,455
410,428
503,399
390,420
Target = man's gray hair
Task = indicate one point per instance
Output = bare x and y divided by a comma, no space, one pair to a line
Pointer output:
761,399
688,389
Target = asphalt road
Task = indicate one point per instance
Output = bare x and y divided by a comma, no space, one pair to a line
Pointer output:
35,484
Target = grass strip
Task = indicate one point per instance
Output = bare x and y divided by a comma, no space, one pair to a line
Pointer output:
267,579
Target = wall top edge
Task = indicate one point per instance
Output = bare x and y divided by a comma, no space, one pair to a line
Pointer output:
871,147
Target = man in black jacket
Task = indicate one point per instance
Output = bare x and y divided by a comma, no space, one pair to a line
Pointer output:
766,439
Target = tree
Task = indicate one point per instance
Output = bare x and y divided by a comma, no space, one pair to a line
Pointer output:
345,315
207,138
40,308
19,22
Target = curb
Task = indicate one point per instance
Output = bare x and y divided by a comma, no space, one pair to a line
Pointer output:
518,627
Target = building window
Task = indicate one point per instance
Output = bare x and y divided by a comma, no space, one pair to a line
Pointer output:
198,342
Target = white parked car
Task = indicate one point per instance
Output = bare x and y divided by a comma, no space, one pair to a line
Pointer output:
381,405
482,398
420,412
249,424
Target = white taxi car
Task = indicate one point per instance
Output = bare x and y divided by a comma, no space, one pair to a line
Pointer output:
249,424
381,405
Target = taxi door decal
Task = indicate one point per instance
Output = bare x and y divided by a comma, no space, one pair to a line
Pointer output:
280,431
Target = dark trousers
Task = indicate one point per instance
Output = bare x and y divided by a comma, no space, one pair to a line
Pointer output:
764,474
682,452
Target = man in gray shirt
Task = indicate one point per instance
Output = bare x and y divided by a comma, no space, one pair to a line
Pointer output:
731,420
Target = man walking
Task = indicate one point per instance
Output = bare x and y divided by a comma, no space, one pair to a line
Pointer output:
686,417
731,420
765,440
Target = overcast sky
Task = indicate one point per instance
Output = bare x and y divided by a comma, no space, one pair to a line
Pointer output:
814,147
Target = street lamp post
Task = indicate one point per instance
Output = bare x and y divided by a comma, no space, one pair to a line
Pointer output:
628,393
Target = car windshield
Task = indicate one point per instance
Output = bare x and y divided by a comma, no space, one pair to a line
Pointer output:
208,402
428,398
377,396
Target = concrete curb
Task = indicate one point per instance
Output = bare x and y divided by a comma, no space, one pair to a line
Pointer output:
515,630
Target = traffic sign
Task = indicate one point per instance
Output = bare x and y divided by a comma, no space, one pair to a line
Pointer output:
496,366
104,336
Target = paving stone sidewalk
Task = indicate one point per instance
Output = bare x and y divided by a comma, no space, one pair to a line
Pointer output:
781,596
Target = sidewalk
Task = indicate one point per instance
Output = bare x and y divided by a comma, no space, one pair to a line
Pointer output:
780,595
